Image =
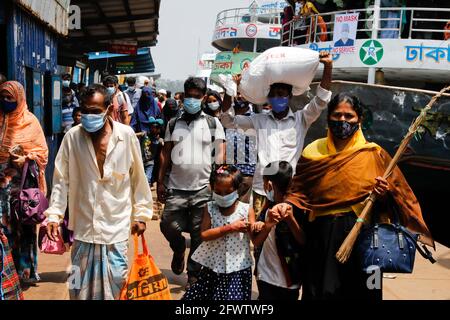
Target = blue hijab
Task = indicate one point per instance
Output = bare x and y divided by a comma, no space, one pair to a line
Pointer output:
146,109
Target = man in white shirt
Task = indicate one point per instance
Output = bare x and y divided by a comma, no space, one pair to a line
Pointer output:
189,144
99,171
281,132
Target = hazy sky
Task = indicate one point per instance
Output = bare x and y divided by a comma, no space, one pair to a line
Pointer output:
182,25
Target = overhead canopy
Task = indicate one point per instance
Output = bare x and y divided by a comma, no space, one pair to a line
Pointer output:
123,64
107,21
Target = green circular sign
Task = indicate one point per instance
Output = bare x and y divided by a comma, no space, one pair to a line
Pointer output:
371,52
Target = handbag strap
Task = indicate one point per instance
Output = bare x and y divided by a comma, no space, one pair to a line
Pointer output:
24,174
423,250
426,253
136,245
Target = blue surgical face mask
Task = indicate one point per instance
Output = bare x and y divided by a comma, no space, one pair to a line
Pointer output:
110,90
66,83
270,195
279,104
225,201
214,105
192,105
8,106
93,122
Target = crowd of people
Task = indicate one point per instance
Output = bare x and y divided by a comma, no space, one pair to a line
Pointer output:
394,24
231,174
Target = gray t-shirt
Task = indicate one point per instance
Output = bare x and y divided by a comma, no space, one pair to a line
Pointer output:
192,153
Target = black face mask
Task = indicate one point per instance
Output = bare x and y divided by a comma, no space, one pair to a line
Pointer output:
343,129
240,104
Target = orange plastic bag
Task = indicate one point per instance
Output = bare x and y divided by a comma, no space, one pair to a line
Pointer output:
145,280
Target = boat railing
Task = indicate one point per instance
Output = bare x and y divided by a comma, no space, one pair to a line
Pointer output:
392,23
249,15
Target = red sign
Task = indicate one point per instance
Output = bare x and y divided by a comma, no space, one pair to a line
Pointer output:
251,30
123,49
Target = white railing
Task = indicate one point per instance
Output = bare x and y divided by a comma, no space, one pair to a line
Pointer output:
394,23
249,15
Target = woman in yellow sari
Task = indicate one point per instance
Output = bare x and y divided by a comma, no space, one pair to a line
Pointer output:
334,177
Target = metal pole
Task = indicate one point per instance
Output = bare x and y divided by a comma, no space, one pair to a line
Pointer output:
255,45
411,23
375,27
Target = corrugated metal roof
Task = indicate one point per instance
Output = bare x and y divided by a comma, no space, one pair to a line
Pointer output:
54,13
103,21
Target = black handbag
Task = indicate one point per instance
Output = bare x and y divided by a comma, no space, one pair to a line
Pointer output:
391,247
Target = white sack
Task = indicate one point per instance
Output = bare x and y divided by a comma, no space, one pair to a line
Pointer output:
294,66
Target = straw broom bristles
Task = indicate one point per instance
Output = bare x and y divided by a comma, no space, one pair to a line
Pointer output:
347,246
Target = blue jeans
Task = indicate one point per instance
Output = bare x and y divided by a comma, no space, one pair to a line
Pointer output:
149,172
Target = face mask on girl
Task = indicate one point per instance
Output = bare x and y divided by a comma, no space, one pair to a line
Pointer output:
192,105
225,201
111,90
270,195
93,122
214,105
279,104
66,83
8,106
342,129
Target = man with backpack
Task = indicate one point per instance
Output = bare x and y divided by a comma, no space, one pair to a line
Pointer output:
193,142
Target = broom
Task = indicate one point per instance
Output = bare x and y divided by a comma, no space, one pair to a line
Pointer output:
347,246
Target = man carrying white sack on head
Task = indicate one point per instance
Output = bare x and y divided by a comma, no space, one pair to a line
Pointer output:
280,133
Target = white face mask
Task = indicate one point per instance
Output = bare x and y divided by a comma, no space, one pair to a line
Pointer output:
214,105
266,111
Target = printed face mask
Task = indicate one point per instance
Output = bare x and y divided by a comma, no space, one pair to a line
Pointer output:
225,201
342,129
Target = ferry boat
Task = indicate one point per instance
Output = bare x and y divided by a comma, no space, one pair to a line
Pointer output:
396,60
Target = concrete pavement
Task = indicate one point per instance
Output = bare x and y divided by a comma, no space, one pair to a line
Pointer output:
428,282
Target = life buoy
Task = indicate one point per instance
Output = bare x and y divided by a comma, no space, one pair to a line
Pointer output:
323,29
447,34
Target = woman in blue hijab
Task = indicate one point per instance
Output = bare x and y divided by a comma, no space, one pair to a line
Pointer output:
146,108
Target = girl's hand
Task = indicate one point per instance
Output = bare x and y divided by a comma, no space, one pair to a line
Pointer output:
288,214
381,187
273,218
239,226
257,226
